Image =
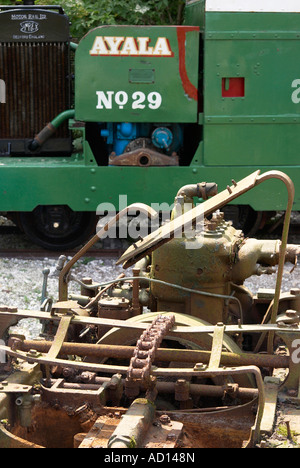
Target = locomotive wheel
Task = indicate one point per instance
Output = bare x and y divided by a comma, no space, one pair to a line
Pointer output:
244,218
57,227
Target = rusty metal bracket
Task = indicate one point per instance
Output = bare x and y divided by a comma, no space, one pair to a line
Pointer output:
217,345
60,336
255,430
72,396
10,387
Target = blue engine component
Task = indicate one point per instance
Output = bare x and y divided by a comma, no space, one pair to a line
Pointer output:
119,136
162,138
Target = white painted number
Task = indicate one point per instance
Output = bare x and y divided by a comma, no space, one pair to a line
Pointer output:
155,100
139,100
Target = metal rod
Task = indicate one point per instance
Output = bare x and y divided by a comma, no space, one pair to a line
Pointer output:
176,355
168,388
182,330
285,232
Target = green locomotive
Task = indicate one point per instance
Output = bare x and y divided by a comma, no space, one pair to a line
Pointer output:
154,108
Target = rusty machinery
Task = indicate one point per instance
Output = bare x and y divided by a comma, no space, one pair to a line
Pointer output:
178,353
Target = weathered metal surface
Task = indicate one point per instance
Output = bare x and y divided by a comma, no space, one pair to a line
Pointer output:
133,426
144,158
139,370
163,434
217,346
176,226
74,396
169,230
184,364
272,385
162,354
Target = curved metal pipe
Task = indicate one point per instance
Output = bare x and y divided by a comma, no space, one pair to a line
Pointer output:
62,282
202,190
285,232
50,129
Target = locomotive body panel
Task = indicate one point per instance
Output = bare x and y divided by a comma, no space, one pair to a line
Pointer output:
135,74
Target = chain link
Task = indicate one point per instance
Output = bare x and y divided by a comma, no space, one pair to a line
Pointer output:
139,371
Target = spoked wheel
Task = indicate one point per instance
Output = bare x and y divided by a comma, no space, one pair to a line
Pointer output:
57,227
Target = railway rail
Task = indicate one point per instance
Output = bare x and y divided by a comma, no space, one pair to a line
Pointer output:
40,253
14,244
27,250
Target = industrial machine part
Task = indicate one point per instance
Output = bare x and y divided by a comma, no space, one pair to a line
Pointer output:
176,104
203,355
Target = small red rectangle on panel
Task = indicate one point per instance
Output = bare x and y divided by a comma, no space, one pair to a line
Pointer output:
233,87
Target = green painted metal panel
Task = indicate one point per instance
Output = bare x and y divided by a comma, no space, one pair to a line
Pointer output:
259,126
137,74
194,13
83,187
255,22
252,145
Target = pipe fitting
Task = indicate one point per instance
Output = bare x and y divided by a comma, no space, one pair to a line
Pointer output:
202,190
49,130
133,425
24,404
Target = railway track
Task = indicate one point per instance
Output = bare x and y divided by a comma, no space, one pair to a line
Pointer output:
13,244
36,253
